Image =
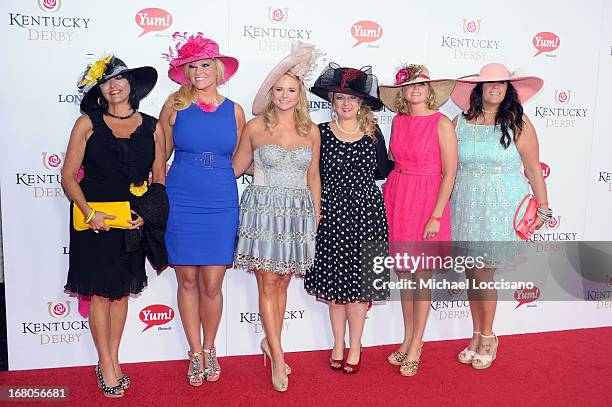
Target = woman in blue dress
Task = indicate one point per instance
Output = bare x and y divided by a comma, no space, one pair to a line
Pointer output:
494,140
203,128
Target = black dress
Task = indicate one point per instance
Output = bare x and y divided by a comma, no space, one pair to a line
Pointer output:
353,212
99,262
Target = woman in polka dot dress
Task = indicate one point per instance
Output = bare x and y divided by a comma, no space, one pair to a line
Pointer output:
353,156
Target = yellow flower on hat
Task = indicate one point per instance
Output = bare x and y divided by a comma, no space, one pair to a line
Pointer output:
95,71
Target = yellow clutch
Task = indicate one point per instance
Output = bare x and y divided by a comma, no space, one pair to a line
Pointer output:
120,210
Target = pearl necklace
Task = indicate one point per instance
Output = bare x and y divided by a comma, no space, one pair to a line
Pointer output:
344,131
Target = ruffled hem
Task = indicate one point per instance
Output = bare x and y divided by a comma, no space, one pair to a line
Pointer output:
252,264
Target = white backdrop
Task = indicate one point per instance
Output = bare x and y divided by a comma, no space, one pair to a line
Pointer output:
48,42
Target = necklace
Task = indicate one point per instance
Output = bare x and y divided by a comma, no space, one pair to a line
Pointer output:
344,131
488,112
121,117
208,107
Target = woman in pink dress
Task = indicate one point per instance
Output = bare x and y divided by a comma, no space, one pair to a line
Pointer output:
424,147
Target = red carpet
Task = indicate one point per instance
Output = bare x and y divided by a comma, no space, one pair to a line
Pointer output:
568,368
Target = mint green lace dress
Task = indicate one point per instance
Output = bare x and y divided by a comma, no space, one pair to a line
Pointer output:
489,187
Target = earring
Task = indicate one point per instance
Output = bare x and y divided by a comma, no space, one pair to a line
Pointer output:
358,113
100,101
334,115
297,108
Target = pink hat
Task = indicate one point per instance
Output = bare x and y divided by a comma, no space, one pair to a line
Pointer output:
195,48
299,62
526,86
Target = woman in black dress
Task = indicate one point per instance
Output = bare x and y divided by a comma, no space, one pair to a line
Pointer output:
353,156
117,146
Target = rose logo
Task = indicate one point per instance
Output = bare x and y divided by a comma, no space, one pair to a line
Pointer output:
609,280
49,5
552,223
471,26
562,97
277,15
58,310
54,160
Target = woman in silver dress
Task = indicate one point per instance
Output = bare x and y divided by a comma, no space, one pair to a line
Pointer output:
279,212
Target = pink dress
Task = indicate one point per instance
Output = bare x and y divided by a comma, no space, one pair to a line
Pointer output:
411,190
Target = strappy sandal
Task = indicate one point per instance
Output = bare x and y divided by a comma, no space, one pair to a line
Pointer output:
213,372
410,367
194,372
485,361
397,358
467,355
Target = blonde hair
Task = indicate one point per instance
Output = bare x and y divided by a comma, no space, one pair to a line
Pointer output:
300,114
365,118
187,93
401,106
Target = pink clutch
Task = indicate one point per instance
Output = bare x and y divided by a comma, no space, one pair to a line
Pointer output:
522,228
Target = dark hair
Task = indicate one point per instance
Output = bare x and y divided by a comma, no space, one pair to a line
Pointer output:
132,99
509,114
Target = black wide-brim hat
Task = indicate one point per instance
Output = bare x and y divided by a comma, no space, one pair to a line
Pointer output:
144,80
351,81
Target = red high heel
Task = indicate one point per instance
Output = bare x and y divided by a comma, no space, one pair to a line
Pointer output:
336,364
350,368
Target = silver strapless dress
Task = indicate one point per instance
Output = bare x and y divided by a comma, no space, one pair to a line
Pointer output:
277,218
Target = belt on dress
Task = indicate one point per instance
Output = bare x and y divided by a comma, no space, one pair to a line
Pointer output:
413,172
205,160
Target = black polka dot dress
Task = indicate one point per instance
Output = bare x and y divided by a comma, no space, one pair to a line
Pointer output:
354,212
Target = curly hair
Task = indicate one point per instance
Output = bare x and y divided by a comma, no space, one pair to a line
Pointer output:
509,115
365,119
401,106
187,93
300,114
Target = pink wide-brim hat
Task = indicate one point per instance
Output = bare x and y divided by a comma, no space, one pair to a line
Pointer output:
526,86
195,48
299,62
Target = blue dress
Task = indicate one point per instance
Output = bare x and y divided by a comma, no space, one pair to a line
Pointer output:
489,185
201,187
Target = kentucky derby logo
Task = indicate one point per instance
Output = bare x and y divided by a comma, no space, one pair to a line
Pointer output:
58,309
366,31
50,6
278,15
545,42
527,295
471,27
562,97
53,161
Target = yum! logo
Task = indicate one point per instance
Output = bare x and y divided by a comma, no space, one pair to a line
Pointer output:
153,19
527,295
366,31
545,170
545,42
471,27
156,314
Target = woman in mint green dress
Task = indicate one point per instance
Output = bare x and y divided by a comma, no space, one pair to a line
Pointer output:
495,141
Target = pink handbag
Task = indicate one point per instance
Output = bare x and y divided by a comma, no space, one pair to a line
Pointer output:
531,214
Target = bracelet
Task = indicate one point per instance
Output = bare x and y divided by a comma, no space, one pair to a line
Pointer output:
545,214
90,216
436,218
